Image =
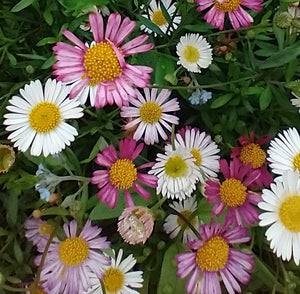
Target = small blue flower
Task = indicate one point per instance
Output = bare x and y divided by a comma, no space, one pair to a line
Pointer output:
199,97
44,192
47,182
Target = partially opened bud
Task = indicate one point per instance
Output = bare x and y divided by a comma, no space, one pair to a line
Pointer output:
7,158
135,225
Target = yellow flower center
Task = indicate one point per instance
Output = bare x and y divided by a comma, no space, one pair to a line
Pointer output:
73,251
123,173
158,18
296,162
233,192
150,112
46,229
213,255
289,213
228,5
254,154
196,154
113,280
44,117
101,63
176,167
191,53
186,214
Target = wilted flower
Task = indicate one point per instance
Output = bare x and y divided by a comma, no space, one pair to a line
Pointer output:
7,158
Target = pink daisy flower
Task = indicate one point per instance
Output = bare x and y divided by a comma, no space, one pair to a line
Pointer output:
237,15
234,194
121,173
99,70
213,258
68,262
150,115
251,152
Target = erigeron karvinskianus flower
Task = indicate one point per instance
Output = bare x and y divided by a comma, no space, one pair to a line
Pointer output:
150,115
135,225
37,118
118,277
284,152
177,173
252,152
175,223
281,206
213,259
202,148
234,193
194,52
68,262
99,70
157,17
237,15
121,173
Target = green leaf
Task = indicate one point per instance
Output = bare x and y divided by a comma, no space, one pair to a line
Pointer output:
265,98
169,282
71,160
74,5
55,211
18,252
165,65
99,146
32,56
200,27
21,5
12,208
48,17
165,12
47,40
221,100
12,59
102,211
149,24
49,62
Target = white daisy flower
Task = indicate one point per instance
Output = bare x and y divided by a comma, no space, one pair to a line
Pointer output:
203,149
194,52
149,115
177,173
174,223
284,152
282,206
117,279
296,101
37,118
157,17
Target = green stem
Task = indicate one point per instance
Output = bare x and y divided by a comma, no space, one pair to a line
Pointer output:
202,86
74,178
173,137
159,203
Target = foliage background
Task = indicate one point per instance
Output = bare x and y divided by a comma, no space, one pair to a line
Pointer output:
251,92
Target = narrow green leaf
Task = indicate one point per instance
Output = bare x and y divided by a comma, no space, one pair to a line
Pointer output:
32,56
18,252
48,17
165,12
265,98
12,59
200,27
99,146
149,24
56,211
12,208
47,40
21,5
221,100
49,62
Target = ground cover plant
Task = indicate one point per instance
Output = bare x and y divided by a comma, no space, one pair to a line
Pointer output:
149,146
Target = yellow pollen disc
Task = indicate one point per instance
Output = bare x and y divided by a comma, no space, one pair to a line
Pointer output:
150,112
186,214
113,280
196,154
46,229
213,255
101,63
44,117
73,251
176,167
123,173
296,162
191,53
158,18
233,192
289,213
254,154
228,5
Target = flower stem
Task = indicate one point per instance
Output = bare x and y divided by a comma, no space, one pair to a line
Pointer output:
74,178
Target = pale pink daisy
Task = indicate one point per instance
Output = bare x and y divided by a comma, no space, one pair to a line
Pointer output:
99,69
135,225
234,193
68,262
38,231
252,152
213,258
149,115
121,173
237,15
